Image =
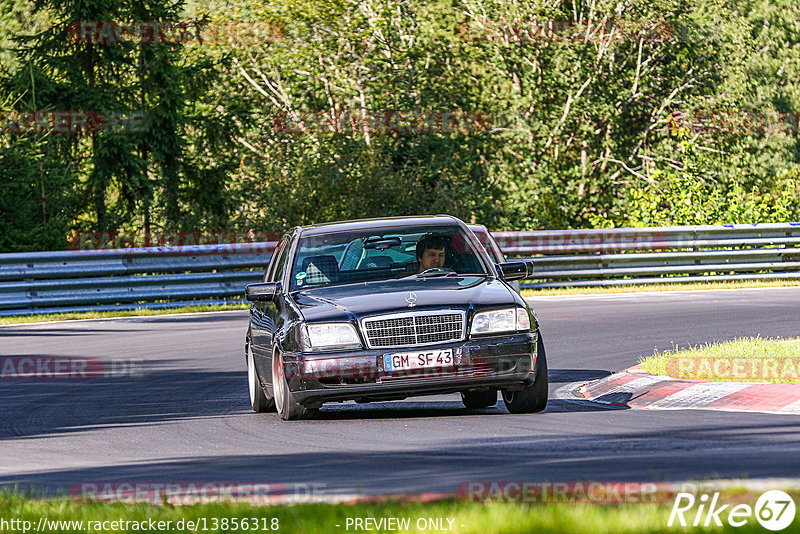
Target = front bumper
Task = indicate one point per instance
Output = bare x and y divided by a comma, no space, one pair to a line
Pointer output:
503,361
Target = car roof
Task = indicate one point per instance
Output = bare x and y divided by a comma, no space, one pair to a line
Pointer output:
378,224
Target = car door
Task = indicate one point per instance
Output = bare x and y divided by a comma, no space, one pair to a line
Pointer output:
264,316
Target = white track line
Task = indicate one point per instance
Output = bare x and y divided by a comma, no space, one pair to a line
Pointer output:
160,315
627,294
698,395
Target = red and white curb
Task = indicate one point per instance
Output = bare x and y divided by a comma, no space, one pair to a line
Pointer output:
635,388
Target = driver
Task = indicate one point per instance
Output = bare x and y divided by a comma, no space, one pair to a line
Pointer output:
430,252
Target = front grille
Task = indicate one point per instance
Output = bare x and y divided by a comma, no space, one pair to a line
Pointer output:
408,329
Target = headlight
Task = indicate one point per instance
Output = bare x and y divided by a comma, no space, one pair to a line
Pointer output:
331,335
507,320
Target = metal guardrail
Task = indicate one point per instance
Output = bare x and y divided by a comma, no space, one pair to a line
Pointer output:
112,279
666,255
163,277
639,239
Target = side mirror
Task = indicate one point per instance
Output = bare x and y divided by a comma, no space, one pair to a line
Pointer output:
516,270
262,292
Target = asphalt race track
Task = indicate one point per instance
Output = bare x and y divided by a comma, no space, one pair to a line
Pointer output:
184,416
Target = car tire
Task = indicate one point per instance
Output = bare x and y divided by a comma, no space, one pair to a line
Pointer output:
287,408
258,399
533,398
479,399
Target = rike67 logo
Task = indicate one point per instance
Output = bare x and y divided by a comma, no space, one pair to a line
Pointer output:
774,510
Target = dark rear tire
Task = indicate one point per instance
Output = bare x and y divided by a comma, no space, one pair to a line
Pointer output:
479,399
258,399
534,398
287,408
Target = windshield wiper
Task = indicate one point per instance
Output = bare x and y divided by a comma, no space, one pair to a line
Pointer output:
438,274
434,274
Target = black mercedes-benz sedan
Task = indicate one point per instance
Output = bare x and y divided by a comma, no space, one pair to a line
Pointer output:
384,309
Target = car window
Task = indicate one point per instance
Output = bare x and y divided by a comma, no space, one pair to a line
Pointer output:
496,250
365,256
489,244
276,267
273,260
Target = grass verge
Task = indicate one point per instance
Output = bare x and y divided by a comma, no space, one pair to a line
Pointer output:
741,360
685,286
21,319
465,517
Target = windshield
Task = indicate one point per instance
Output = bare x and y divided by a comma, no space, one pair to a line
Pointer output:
369,256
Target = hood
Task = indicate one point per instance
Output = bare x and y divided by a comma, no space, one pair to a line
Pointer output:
354,301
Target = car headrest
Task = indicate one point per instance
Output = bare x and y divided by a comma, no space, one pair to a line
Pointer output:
321,269
379,261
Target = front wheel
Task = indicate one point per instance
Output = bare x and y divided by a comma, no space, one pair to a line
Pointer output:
287,408
533,398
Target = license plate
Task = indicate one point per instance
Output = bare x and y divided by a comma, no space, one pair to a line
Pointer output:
403,361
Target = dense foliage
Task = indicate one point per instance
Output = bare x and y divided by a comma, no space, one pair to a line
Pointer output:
516,114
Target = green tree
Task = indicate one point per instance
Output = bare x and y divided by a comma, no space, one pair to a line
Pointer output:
143,170
577,119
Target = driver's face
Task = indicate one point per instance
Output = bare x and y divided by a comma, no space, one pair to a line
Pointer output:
432,257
